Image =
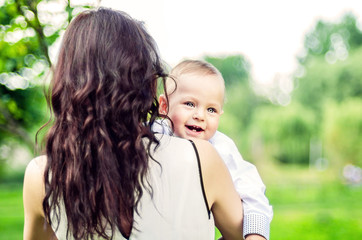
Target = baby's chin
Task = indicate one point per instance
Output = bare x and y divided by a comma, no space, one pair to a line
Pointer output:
188,137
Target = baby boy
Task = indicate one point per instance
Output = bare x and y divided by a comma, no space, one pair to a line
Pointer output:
195,101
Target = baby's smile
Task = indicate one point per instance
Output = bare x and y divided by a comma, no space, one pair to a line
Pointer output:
194,128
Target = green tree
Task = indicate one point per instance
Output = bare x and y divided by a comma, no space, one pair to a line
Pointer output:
332,40
324,81
27,29
342,131
331,65
332,77
284,132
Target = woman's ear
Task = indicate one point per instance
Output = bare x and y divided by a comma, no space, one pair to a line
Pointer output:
163,108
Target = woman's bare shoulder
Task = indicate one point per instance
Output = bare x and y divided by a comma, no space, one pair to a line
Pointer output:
209,157
37,164
33,189
212,167
34,173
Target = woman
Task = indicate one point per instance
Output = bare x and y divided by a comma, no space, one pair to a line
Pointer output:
105,174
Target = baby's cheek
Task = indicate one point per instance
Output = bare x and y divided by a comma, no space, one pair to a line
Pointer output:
176,124
210,134
213,126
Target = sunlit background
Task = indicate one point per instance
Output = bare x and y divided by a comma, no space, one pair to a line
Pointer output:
293,78
270,34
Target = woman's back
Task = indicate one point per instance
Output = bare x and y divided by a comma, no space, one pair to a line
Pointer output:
178,207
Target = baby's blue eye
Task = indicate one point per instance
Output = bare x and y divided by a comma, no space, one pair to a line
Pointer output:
189,104
211,110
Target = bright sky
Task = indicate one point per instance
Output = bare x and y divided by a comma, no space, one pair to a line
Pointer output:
269,33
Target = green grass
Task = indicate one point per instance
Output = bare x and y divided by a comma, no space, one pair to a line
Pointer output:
313,205
11,211
307,204
322,211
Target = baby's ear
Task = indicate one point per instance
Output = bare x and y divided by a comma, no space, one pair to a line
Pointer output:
162,109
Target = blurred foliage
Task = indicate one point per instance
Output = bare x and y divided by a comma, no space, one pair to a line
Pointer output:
324,81
332,66
330,73
285,131
21,113
21,108
28,30
343,131
332,40
234,68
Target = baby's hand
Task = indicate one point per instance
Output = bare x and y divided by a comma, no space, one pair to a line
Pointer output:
254,237
250,237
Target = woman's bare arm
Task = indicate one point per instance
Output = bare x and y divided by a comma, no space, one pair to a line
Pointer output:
222,197
35,226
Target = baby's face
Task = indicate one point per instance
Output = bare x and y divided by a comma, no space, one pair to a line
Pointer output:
196,105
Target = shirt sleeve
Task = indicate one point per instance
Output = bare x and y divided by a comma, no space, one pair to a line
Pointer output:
161,126
251,189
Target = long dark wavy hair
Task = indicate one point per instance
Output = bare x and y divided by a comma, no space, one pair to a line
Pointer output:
103,98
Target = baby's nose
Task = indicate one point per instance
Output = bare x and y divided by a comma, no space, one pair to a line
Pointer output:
199,115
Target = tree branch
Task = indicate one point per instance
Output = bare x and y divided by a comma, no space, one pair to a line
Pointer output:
32,6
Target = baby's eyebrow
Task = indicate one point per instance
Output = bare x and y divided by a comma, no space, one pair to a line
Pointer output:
216,105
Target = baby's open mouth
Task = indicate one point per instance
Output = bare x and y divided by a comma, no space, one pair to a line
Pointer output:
195,128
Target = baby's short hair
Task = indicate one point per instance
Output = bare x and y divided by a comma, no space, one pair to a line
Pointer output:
194,66
190,67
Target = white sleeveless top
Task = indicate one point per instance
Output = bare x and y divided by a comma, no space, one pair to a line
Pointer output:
178,209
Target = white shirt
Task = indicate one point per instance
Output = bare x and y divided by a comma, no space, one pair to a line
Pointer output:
247,181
